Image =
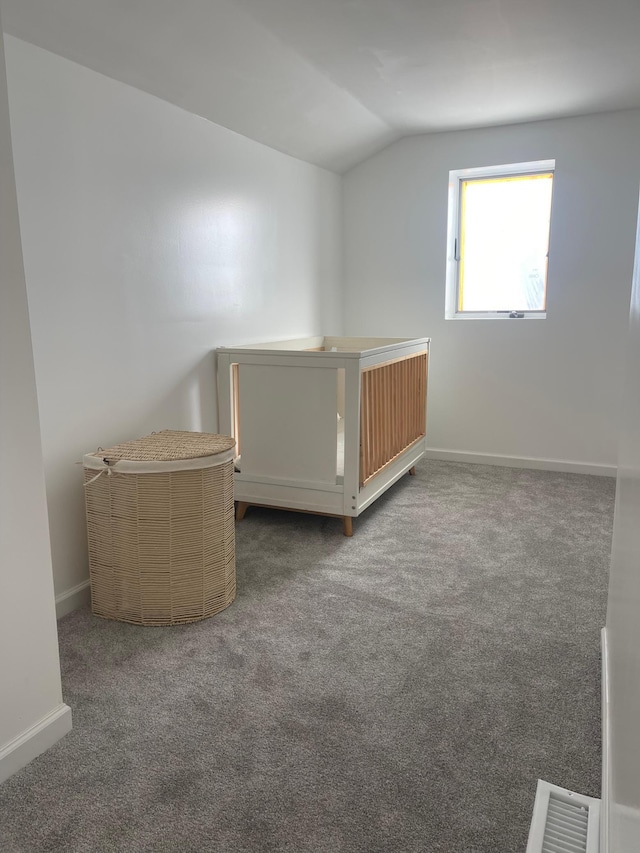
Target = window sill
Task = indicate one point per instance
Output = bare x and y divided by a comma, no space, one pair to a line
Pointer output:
496,315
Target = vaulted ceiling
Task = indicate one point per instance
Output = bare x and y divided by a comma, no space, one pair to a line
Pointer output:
332,81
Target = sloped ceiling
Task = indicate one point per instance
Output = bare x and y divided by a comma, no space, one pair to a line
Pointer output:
332,81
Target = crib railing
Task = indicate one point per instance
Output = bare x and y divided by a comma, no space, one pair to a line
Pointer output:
392,411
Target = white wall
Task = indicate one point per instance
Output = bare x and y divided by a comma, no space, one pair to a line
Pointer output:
150,237
544,389
32,714
621,788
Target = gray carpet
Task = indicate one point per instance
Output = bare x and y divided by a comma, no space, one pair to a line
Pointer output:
399,691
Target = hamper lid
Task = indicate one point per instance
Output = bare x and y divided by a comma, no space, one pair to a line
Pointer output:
167,446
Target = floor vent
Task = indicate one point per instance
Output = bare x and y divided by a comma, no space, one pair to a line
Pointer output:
563,822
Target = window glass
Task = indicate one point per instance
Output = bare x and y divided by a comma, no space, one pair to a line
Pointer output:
504,243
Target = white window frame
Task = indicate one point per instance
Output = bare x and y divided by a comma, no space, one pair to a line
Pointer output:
453,237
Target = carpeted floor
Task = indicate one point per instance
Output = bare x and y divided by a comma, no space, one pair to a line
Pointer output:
399,691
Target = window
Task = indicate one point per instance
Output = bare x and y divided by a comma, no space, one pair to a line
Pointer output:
498,241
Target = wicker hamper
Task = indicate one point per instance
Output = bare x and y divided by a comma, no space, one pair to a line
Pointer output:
161,528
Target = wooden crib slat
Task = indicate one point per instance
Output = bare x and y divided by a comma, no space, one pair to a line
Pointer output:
410,400
375,437
379,434
365,428
419,394
378,428
385,413
386,447
423,395
405,404
370,427
395,408
415,396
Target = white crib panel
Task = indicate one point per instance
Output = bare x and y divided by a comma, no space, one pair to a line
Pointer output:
352,379
289,497
288,419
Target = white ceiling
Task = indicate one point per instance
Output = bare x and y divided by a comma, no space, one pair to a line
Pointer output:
332,81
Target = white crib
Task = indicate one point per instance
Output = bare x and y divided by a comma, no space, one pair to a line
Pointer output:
323,425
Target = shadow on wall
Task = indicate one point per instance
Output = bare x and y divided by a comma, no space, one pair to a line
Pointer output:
189,405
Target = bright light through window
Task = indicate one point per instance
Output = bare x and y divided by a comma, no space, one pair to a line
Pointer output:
499,240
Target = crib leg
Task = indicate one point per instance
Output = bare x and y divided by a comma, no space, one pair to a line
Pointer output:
241,510
412,471
347,524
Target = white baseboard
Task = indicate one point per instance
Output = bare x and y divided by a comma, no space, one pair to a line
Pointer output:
606,747
34,741
73,598
521,462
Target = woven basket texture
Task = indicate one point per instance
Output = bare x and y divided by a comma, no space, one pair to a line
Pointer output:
168,446
162,545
